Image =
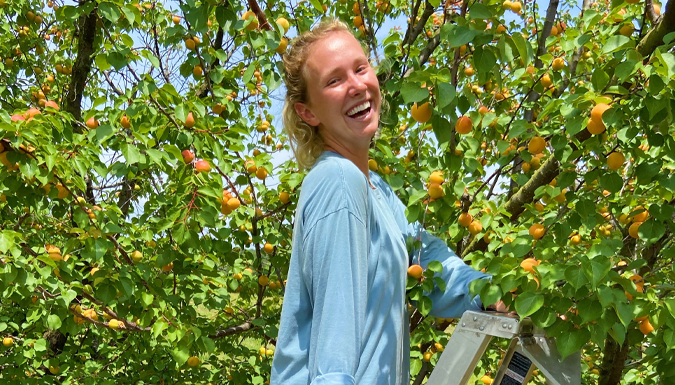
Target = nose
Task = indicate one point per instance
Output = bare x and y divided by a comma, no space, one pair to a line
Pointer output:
356,85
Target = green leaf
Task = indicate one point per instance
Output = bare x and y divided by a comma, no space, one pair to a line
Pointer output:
317,5
524,48
181,353
110,11
596,269
6,240
435,266
424,305
490,294
445,95
442,130
599,79
626,69
416,197
544,317
611,182
616,43
529,302
151,58
589,309
412,92
668,61
131,154
572,341
102,62
651,231
53,322
456,35
575,277
479,11
484,59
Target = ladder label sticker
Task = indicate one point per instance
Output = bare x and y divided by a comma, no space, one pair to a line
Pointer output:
518,368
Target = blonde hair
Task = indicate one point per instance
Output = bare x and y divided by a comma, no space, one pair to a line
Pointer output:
305,141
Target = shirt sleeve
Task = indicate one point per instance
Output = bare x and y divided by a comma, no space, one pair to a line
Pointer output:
457,275
335,269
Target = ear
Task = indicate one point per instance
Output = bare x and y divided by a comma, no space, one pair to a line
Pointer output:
306,114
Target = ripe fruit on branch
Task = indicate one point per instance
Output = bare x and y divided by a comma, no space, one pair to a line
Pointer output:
261,173
465,219
640,214
124,121
167,268
193,361
475,227
284,24
646,327
436,191
469,71
283,44
372,164
537,230
615,160
415,271
633,230
250,15
197,71
263,280
136,256
529,264
436,177
190,44
546,81
202,166
558,64
536,145
189,120
188,156
284,197
464,125
8,342
268,248
595,128
115,324
92,123
598,111
639,285
421,114
250,166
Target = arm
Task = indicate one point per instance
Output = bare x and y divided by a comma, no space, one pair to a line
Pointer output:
455,300
335,270
457,275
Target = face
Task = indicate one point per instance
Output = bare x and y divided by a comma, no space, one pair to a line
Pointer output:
343,93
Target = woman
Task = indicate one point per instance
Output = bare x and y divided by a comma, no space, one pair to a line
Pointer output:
344,318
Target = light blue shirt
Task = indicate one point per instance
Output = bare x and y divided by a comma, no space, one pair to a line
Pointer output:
344,318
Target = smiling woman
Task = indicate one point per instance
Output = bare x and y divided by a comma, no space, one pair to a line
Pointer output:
344,318
303,66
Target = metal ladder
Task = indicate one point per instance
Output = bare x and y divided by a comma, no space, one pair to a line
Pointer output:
529,348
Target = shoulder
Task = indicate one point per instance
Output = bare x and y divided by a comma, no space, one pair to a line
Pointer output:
334,183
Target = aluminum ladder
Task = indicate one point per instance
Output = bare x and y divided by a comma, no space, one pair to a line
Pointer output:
529,348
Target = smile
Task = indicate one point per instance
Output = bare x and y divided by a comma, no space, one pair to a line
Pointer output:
360,111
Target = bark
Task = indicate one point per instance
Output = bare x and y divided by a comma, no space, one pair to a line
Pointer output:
82,67
613,361
233,330
664,26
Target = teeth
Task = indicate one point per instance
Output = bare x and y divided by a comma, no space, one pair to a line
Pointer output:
358,108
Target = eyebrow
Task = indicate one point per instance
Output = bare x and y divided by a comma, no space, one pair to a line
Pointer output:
338,69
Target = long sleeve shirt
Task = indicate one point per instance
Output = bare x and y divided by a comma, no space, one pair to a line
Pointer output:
344,318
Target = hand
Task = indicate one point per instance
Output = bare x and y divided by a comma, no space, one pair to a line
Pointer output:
500,307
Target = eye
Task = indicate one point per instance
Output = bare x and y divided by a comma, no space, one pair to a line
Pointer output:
361,69
332,81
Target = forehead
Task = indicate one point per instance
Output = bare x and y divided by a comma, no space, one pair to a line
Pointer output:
334,51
